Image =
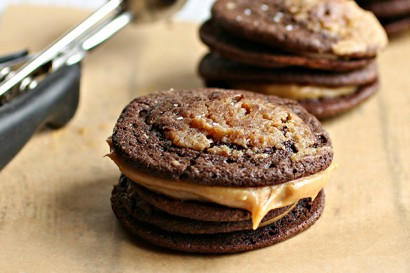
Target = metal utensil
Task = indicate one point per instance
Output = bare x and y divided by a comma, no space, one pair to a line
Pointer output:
41,89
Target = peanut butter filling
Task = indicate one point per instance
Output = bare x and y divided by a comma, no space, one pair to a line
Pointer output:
273,220
296,92
257,200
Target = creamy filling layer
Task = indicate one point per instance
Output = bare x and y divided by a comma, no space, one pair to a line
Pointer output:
296,92
257,200
266,223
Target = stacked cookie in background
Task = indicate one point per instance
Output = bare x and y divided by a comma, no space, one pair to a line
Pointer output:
320,53
394,15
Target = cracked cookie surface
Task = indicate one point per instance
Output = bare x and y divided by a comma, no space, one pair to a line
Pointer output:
222,138
335,27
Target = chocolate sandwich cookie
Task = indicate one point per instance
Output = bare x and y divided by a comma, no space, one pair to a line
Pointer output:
214,68
218,171
189,209
394,15
251,53
321,53
323,93
330,28
301,217
143,211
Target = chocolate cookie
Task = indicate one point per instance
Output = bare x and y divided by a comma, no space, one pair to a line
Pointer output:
336,27
214,68
189,209
300,218
169,220
194,135
326,108
320,53
204,163
331,93
251,53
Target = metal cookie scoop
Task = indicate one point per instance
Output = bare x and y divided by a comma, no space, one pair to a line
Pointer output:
41,89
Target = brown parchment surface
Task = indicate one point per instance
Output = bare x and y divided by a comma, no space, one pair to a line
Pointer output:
55,214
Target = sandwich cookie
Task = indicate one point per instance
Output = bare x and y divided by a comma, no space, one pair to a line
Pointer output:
293,37
218,171
323,93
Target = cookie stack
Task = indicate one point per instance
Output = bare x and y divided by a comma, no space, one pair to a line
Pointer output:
394,15
218,171
321,53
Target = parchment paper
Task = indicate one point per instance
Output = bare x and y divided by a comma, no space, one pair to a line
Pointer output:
55,213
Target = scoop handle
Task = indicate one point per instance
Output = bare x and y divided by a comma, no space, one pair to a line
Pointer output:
53,102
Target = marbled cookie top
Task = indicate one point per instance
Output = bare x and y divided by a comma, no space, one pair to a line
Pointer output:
332,28
224,138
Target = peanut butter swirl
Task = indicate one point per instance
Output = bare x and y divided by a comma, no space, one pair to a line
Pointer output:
251,124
